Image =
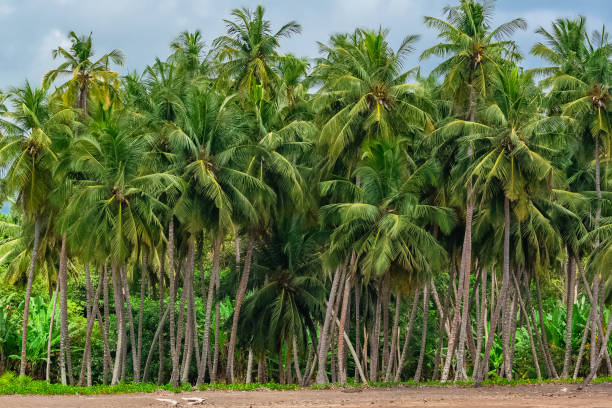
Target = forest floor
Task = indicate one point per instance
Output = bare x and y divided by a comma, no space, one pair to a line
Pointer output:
532,396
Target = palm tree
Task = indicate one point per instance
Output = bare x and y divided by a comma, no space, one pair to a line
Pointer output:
87,75
27,154
249,48
364,94
510,151
474,50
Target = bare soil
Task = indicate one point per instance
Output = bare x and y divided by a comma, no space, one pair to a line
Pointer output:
532,396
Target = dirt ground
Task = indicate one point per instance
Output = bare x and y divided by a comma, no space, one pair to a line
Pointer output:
532,396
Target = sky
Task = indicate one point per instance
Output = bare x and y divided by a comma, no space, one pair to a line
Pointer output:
142,29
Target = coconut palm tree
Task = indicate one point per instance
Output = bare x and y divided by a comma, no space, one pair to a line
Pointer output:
87,76
249,48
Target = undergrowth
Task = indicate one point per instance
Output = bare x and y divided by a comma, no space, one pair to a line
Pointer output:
12,384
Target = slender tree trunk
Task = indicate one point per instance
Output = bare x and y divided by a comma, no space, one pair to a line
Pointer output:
296,361
400,363
54,300
385,325
503,293
91,316
143,279
65,335
394,334
242,286
417,374
343,316
128,301
323,341
595,306
249,366
173,349
162,273
120,326
357,323
582,344
26,306
482,317
456,318
213,374
443,325
375,339
156,337
571,279
209,300
600,354
107,366
543,329
534,354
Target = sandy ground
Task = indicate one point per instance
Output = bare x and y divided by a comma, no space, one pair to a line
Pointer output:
548,395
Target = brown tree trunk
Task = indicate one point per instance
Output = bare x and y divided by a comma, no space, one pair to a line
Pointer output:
534,354
417,374
375,339
173,349
343,316
143,279
91,316
242,286
323,341
65,335
120,326
571,280
54,300
188,287
162,273
209,300
128,301
543,329
394,334
107,367
400,363
503,293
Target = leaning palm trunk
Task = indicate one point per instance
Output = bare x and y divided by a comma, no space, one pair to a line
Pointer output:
190,268
571,278
375,339
534,354
108,366
417,374
455,322
26,307
482,316
209,300
156,337
64,335
54,300
242,286
400,363
600,354
323,341
547,355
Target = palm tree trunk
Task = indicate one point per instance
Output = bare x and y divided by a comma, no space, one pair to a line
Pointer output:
323,341
209,300
107,366
600,354
190,268
534,354
460,374
261,369
143,279
482,317
242,286
417,374
156,337
54,300
443,326
543,329
571,279
296,361
394,334
582,344
400,363
128,301
162,273
503,293
343,316
92,299
357,324
385,325
173,349
120,326
65,335
375,339
26,306
213,374
456,316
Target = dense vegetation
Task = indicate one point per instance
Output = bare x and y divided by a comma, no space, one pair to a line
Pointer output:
234,214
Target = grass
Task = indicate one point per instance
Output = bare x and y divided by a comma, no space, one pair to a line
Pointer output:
11,384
